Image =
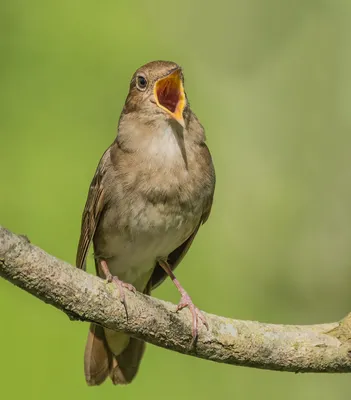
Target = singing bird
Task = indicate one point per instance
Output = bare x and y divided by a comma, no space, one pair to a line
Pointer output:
151,191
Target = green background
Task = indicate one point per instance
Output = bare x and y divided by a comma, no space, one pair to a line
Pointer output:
270,80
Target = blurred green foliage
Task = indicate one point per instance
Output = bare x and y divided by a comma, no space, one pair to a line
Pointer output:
270,80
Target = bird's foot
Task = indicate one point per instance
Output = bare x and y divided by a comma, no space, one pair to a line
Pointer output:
196,314
185,301
120,284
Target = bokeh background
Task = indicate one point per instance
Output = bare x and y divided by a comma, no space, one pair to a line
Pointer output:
270,80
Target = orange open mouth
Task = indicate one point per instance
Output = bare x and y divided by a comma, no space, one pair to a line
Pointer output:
170,96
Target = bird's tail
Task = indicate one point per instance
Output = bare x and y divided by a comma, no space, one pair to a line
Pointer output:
100,362
97,356
114,354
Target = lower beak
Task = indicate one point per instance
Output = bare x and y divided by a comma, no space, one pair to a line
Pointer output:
170,96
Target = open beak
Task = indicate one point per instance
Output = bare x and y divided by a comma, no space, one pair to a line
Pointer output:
170,96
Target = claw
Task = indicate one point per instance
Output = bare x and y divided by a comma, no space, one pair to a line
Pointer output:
120,284
185,301
196,314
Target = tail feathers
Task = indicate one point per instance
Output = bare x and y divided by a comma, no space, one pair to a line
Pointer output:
125,366
97,356
100,360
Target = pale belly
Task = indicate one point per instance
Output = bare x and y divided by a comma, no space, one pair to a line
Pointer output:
131,255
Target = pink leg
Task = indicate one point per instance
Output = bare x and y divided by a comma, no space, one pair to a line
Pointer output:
185,301
120,284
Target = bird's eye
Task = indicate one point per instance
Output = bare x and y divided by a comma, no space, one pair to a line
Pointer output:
141,82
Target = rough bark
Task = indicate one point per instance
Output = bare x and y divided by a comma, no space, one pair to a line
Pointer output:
308,348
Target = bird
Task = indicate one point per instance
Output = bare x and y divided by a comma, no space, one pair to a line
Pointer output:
152,190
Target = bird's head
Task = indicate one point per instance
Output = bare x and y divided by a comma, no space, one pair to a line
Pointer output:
157,88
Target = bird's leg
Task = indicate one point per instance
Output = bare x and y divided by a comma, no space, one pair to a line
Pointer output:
185,301
120,284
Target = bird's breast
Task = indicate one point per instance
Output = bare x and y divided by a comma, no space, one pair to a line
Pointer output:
145,231
154,203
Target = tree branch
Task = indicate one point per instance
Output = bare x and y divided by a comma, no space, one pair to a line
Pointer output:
314,348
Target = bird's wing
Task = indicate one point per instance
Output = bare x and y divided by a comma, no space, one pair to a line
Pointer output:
93,207
159,275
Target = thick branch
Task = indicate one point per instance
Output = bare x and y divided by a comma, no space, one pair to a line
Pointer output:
314,348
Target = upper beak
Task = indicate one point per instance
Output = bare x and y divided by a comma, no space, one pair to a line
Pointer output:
170,96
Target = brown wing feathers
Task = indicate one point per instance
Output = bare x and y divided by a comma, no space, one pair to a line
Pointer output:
90,218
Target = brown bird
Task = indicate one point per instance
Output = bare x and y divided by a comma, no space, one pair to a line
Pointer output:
151,191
